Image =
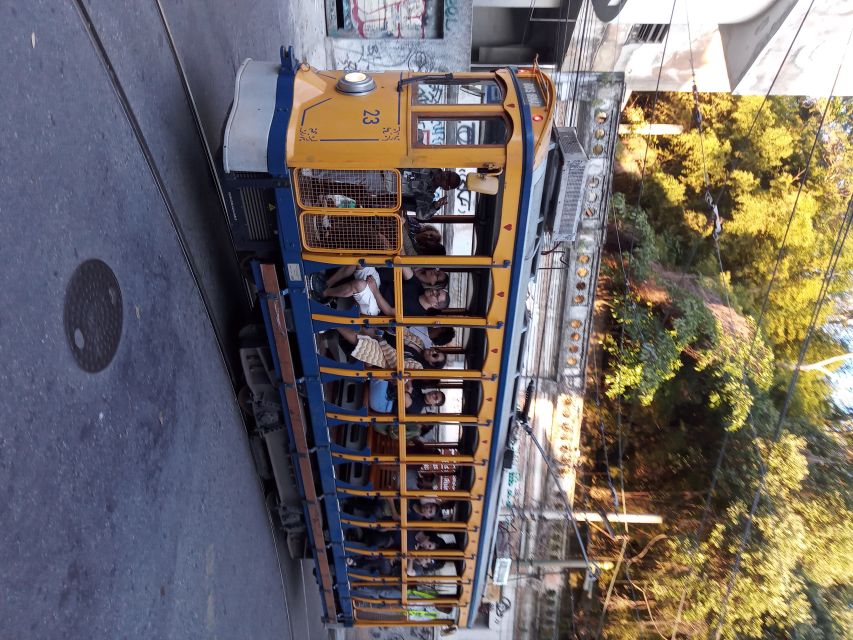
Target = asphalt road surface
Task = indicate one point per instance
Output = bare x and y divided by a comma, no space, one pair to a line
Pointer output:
129,507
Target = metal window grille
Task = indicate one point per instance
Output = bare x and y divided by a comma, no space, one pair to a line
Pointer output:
258,219
351,232
648,33
348,189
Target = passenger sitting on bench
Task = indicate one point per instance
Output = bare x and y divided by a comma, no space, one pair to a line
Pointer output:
377,351
415,278
374,565
428,276
423,399
378,508
384,509
424,566
416,592
390,539
417,481
421,239
441,336
365,292
416,400
420,187
423,509
426,541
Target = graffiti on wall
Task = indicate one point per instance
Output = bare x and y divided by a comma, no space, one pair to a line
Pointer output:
412,19
450,16
442,43
353,54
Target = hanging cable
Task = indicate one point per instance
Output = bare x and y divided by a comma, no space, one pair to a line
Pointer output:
529,20
592,567
631,251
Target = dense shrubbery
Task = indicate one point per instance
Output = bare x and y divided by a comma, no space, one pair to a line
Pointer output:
688,372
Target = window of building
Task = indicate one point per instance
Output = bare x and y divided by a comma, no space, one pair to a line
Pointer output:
411,19
648,33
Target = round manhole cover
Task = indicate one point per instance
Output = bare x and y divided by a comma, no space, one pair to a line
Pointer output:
93,315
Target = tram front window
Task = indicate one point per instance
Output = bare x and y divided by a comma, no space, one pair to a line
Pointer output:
459,91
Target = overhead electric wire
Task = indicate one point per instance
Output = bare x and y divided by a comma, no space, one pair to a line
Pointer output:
603,615
592,566
529,20
583,18
619,425
535,377
582,24
588,24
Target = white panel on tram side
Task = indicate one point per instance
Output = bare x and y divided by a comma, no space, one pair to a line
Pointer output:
244,144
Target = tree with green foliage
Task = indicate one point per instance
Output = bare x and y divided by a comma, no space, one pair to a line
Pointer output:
691,366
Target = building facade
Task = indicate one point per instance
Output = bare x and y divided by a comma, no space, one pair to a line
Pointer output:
735,46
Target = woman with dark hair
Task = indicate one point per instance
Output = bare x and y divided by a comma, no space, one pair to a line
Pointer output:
441,336
421,239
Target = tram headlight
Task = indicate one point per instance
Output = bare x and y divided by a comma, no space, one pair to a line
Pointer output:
356,83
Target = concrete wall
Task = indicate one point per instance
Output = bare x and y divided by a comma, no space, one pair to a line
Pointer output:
741,58
449,52
641,63
814,59
718,12
744,42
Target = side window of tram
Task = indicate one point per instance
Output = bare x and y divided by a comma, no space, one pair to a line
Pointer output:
474,92
461,132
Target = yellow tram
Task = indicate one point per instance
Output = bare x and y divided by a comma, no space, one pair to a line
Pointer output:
366,252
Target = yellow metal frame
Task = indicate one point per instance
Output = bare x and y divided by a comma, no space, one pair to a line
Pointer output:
350,214
392,209
329,130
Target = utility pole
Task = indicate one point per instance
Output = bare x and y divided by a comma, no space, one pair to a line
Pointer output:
650,129
558,566
821,366
585,516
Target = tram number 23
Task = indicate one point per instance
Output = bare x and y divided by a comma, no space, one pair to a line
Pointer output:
370,117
